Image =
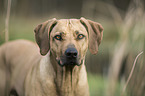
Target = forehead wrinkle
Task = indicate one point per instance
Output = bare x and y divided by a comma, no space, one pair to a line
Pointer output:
73,27
62,26
67,22
76,27
68,30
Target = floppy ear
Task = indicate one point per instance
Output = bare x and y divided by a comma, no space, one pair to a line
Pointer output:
42,32
95,31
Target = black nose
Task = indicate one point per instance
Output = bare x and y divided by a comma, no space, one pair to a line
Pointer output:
71,53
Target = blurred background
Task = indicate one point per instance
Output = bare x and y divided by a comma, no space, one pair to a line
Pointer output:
123,40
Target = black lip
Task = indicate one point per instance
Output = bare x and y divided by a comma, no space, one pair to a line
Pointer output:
70,63
80,63
60,64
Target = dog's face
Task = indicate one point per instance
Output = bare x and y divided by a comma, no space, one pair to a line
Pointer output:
68,39
69,42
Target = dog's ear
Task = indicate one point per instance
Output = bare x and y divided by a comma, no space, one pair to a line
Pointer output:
42,32
95,31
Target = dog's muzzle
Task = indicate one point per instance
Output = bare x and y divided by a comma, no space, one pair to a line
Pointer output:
70,58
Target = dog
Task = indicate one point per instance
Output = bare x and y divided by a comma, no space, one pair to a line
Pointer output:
59,69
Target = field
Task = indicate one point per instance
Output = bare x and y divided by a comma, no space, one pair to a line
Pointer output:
123,40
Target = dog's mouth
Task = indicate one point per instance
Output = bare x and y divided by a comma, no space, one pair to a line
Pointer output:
70,57
69,62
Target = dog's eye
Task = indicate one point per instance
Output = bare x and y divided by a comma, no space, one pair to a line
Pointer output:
58,37
80,36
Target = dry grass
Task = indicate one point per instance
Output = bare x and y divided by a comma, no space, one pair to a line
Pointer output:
7,21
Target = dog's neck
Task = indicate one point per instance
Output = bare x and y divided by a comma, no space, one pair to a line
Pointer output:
68,78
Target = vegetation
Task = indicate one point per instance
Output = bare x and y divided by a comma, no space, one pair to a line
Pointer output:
123,38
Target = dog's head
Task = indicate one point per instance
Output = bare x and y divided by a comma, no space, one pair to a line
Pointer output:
69,39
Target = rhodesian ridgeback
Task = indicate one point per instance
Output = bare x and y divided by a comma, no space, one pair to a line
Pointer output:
58,70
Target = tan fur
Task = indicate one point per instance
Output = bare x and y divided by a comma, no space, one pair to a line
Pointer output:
30,74
16,60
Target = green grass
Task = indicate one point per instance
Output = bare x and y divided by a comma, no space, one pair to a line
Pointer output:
96,85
